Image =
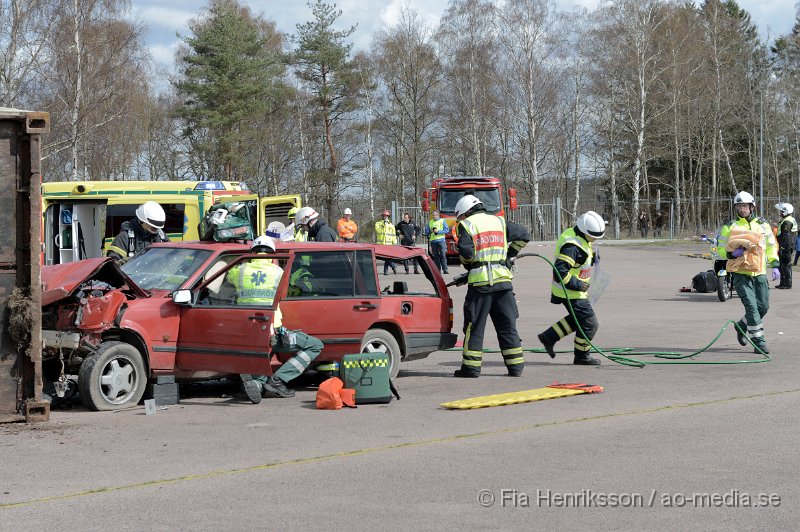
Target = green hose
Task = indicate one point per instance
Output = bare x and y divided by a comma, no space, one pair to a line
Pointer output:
623,355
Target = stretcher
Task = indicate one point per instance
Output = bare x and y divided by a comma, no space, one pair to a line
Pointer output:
553,391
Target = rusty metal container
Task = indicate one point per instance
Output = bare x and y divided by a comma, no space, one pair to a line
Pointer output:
20,279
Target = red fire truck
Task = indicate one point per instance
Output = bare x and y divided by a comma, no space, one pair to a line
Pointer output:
446,191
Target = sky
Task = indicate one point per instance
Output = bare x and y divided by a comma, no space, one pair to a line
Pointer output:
166,19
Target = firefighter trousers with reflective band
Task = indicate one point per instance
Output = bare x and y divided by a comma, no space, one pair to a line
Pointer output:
502,308
566,325
753,290
307,348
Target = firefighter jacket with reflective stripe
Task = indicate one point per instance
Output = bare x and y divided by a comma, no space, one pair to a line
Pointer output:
487,265
788,224
300,235
385,233
757,225
437,230
574,259
133,239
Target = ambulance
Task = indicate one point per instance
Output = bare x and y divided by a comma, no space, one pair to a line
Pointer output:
80,219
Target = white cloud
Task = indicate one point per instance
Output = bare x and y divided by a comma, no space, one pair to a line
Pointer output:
165,19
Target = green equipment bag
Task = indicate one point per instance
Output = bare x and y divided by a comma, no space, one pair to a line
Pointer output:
368,374
227,222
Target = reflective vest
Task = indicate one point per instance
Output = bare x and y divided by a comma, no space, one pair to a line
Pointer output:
488,266
438,230
385,233
256,282
757,225
581,271
788,219
301,235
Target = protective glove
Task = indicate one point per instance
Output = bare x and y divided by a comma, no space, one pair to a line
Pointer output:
583,287
776,274
738,252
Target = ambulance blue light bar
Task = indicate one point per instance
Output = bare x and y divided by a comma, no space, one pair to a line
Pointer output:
210,185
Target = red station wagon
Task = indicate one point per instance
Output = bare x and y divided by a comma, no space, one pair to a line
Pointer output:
171,311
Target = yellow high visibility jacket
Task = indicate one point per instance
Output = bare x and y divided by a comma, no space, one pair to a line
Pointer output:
385,233
437,230
757,225
581,271
488,265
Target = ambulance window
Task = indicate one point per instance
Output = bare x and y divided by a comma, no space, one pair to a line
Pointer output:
117,214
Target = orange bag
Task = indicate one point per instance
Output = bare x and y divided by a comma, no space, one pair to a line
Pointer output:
332,395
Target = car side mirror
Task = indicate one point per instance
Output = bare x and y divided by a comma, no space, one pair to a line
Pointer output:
182,297
399,287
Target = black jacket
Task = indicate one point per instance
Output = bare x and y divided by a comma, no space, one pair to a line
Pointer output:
121,248
322,232
407,231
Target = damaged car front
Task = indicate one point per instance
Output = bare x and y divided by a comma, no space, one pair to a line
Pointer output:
101,323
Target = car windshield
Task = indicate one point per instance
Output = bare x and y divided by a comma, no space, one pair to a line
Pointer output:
164,268
449,197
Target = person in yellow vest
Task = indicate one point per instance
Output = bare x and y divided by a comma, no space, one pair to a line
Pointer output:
346,227
752,287
436,232
386,233
574,259
487,244
256,283
787,237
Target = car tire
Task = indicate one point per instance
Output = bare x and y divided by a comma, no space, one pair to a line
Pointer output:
382,341
114,377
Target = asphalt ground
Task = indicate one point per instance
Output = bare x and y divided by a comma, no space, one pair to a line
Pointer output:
681,447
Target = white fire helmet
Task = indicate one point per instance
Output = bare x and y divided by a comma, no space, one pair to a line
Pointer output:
263,243
591,224
305,215
466,203
151,213
785,208
744,197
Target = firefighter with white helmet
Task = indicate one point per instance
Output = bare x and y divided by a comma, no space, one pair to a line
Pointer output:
787,236
486,245
256,281
574,259
138,233
318,229
750,280
346,227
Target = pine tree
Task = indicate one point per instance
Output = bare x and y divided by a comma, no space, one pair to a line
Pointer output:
231,67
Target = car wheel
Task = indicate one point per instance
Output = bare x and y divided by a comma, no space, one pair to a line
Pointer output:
382,341
112,378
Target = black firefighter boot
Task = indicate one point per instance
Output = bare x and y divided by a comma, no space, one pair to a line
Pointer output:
549,339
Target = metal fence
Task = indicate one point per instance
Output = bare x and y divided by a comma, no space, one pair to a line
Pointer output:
666,218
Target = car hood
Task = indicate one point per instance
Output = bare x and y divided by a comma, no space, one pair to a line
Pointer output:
61,280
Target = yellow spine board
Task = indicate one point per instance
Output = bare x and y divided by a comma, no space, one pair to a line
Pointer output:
510,398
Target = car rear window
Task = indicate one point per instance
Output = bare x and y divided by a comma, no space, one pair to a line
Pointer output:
332,274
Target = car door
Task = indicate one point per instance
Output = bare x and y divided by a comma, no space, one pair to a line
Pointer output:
339,301
219,333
